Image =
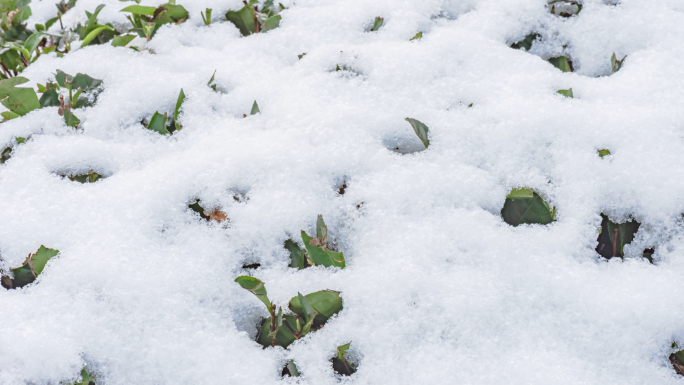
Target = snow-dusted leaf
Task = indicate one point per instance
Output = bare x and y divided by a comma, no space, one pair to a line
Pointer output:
562,63
524,206
243,19
32,267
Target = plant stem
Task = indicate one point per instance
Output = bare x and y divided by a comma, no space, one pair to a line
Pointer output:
615,235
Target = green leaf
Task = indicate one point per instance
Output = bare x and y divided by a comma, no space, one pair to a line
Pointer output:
206,16
32,42
603,152
308,311
616,64
278,325
613,237
50,98
95,33
321,230
256,287
21,101
326,303
255,109
176,112
340,363
70,119
297,259
8,115
32,266
418,36
272,22
284,336
525,206
321,255
122,41
566,93
85,378
243,19
85,82
526,42
377,24
562,63
63,79
421,130
292,369
158,123
140,10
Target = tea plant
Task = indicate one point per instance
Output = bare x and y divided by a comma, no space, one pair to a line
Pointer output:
311,312
80,83
162,124
249,20
206,16
421,130
340,364
30,269
18,100
524,206
316,250
93,33
147,20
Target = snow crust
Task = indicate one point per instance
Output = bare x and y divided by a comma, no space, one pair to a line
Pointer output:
437,289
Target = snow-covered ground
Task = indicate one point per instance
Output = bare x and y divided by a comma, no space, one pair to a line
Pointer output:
437,289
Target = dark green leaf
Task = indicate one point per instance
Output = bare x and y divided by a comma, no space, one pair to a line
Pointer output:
256,287
50,98
297,259
421,130
70,119
284,337
613,237
243,19
85,82
562,63
525,206
326,303
63,79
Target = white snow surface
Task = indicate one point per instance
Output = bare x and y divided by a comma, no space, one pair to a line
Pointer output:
437,289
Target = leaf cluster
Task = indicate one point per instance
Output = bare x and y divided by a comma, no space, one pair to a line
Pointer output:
162,124
316,252
250,20
147,20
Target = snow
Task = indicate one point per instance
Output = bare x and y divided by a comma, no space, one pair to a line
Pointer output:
437,289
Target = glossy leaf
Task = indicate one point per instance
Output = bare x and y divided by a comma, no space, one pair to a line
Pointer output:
243,19
326,303
421,130
524,206
122,41
321,255
85,82
256,287
297,259
50,98
613,237
32,266
566,93
284,337
562,63
158,123
140,10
